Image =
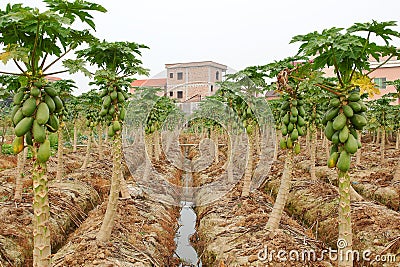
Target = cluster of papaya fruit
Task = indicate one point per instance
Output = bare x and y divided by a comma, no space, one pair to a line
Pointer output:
293,123
342,120
35,110
113,110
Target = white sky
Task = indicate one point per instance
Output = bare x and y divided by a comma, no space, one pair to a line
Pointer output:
232,32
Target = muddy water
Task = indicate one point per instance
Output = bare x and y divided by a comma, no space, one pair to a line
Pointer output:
184,249
187,222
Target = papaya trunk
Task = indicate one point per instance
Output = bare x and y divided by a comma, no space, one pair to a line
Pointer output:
214,137
229,169
397,173
358,155
100,131
156,142
124,187
308,140
3,134
19,179
278,137
75,137
41,214
313,152
383,140
284,188
378,132
107,225
345,232
249,168
149,145
397,139
373,136
258,140
106,138
60,167
87,156
327,150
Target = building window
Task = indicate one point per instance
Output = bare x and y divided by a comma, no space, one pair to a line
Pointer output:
171,75
217,75
171,93
380,83
180,93
180,75
212,88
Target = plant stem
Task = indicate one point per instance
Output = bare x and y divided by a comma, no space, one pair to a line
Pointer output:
345,230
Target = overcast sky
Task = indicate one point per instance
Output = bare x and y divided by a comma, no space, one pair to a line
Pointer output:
232,32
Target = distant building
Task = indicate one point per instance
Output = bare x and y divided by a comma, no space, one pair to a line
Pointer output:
188,82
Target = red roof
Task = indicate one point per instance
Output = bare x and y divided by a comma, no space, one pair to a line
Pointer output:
150,83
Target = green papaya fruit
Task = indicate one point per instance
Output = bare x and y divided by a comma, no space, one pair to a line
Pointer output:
122,114
110,89
348,111
290,127
334,102
344,161
28,138
329,131
282,143
332,113
285,105
50,103
354,133
50,91
53,124
296,148
58,103
284,130
42,113
110,132
286,119
114,95
294,102
302,111
106,101
35,92
362,105
335,138
300,130
339,122
103,112
351,144
39,134
116,126
333,160
300,121
295,135
294,111
111,110
355,107
29,107
121,97
354,97
43,153
17,99
289,143
103,93
293,119
358,121
23,126
344,134
18,144
334,148
18,116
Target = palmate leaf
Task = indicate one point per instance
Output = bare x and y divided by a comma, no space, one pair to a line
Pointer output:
14,52
381,29
76,65
77,8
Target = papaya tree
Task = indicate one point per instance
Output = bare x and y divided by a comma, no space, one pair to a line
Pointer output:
30,38
293,126
347,51
64,89
116,62
91,103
